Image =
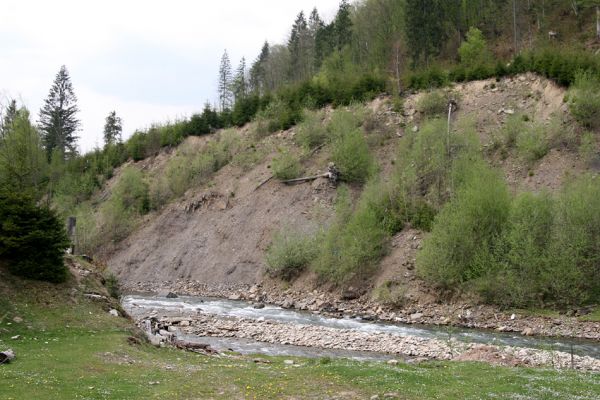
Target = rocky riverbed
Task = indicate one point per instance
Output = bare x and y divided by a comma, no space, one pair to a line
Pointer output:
168,329
351,303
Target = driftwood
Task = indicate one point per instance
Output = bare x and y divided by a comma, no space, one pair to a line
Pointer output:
313,151
332,174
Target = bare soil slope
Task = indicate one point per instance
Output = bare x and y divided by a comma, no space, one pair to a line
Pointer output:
218,234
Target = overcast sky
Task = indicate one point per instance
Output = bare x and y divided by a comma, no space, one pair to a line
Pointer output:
149,60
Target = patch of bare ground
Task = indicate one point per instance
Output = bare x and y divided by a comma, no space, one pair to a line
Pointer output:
217,233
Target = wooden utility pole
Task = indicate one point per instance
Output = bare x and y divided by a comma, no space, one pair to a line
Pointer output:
515,26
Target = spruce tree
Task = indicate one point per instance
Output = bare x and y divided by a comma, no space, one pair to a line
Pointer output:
58,122
298,46
240,86
258,72
343,25
225,93
10,113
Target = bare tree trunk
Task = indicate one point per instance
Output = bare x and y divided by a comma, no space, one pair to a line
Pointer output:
515,25
598,22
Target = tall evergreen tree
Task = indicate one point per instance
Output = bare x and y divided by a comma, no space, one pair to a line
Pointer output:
9,115
315,24
225,93
258,71
113,127
240,85
57,121
343,25
299,46
426,28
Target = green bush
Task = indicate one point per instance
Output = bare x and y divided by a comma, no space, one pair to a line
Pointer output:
289,254
518,277
131,191
350,151
311,132
587,148
584,99
574,273
32,239
355,242
390,293
434,103
286,166
532,143
112,286
465,232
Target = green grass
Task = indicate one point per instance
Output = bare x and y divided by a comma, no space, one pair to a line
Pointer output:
78,351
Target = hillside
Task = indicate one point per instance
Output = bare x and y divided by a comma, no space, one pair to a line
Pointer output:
217,234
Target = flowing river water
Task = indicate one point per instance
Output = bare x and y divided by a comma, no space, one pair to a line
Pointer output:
144,305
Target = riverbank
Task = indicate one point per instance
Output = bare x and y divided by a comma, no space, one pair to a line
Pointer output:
169,320
352,304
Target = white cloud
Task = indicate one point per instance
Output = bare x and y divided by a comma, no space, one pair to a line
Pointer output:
149,60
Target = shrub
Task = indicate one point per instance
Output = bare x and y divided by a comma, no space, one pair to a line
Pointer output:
391,294
285,166
465,232
425,162
517,279
584,100
289,254
574,273
131,191
32,239
112,286
532,144
587,148
434,103
512,129
354,243
311,132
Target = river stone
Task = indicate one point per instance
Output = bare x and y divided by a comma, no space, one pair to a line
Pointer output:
527,332
416,316
392,362
172,295
288,362
7,356
17,320
114,312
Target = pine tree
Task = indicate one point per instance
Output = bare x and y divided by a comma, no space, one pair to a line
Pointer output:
298,46
258,71
10,113
57,121
343,25
425,28
225,93
315,24
113,128
240,86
